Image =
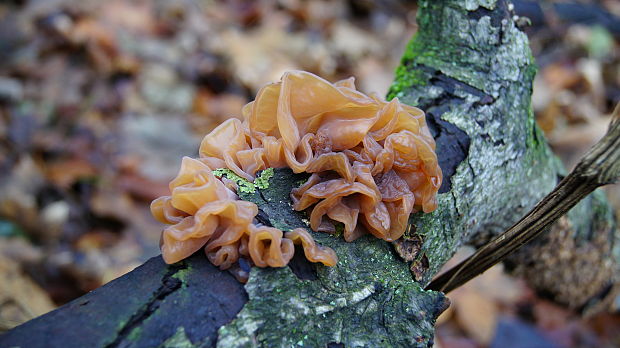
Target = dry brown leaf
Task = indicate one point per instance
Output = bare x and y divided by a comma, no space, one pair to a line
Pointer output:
571,143
560,76
141,187
210,109
20,298
476,305
65,173
476,315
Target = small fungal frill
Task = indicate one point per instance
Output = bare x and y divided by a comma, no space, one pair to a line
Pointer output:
372,164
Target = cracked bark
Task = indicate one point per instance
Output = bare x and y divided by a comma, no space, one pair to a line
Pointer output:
600,166
481,83
145,308
470,68
169,284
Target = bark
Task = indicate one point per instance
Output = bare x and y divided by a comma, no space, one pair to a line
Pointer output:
471,68
369,299
599,167
154,304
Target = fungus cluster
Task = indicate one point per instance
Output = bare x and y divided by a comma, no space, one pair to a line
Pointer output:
372,164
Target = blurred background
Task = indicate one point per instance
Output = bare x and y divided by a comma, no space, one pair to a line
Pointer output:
99,100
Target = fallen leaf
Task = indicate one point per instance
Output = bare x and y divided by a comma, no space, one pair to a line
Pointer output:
20,298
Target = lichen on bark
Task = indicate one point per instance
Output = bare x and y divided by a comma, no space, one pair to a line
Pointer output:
471,69
368,299
470,66
478,73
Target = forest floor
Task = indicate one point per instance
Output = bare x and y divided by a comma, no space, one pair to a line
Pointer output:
100,100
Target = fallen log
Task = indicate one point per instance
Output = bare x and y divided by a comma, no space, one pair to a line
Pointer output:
369,299
470,67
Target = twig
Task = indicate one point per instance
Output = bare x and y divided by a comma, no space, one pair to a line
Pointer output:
600,166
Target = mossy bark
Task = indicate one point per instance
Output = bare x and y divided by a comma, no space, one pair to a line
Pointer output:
368,299
471,69
474,71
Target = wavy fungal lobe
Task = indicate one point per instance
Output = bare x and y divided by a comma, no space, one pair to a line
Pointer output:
372,164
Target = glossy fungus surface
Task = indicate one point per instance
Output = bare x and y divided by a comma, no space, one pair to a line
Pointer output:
372,164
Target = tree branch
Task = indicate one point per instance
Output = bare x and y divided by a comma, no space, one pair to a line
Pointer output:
600,166
469,67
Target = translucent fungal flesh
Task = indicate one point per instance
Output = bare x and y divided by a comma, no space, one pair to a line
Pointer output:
372,162
203,212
